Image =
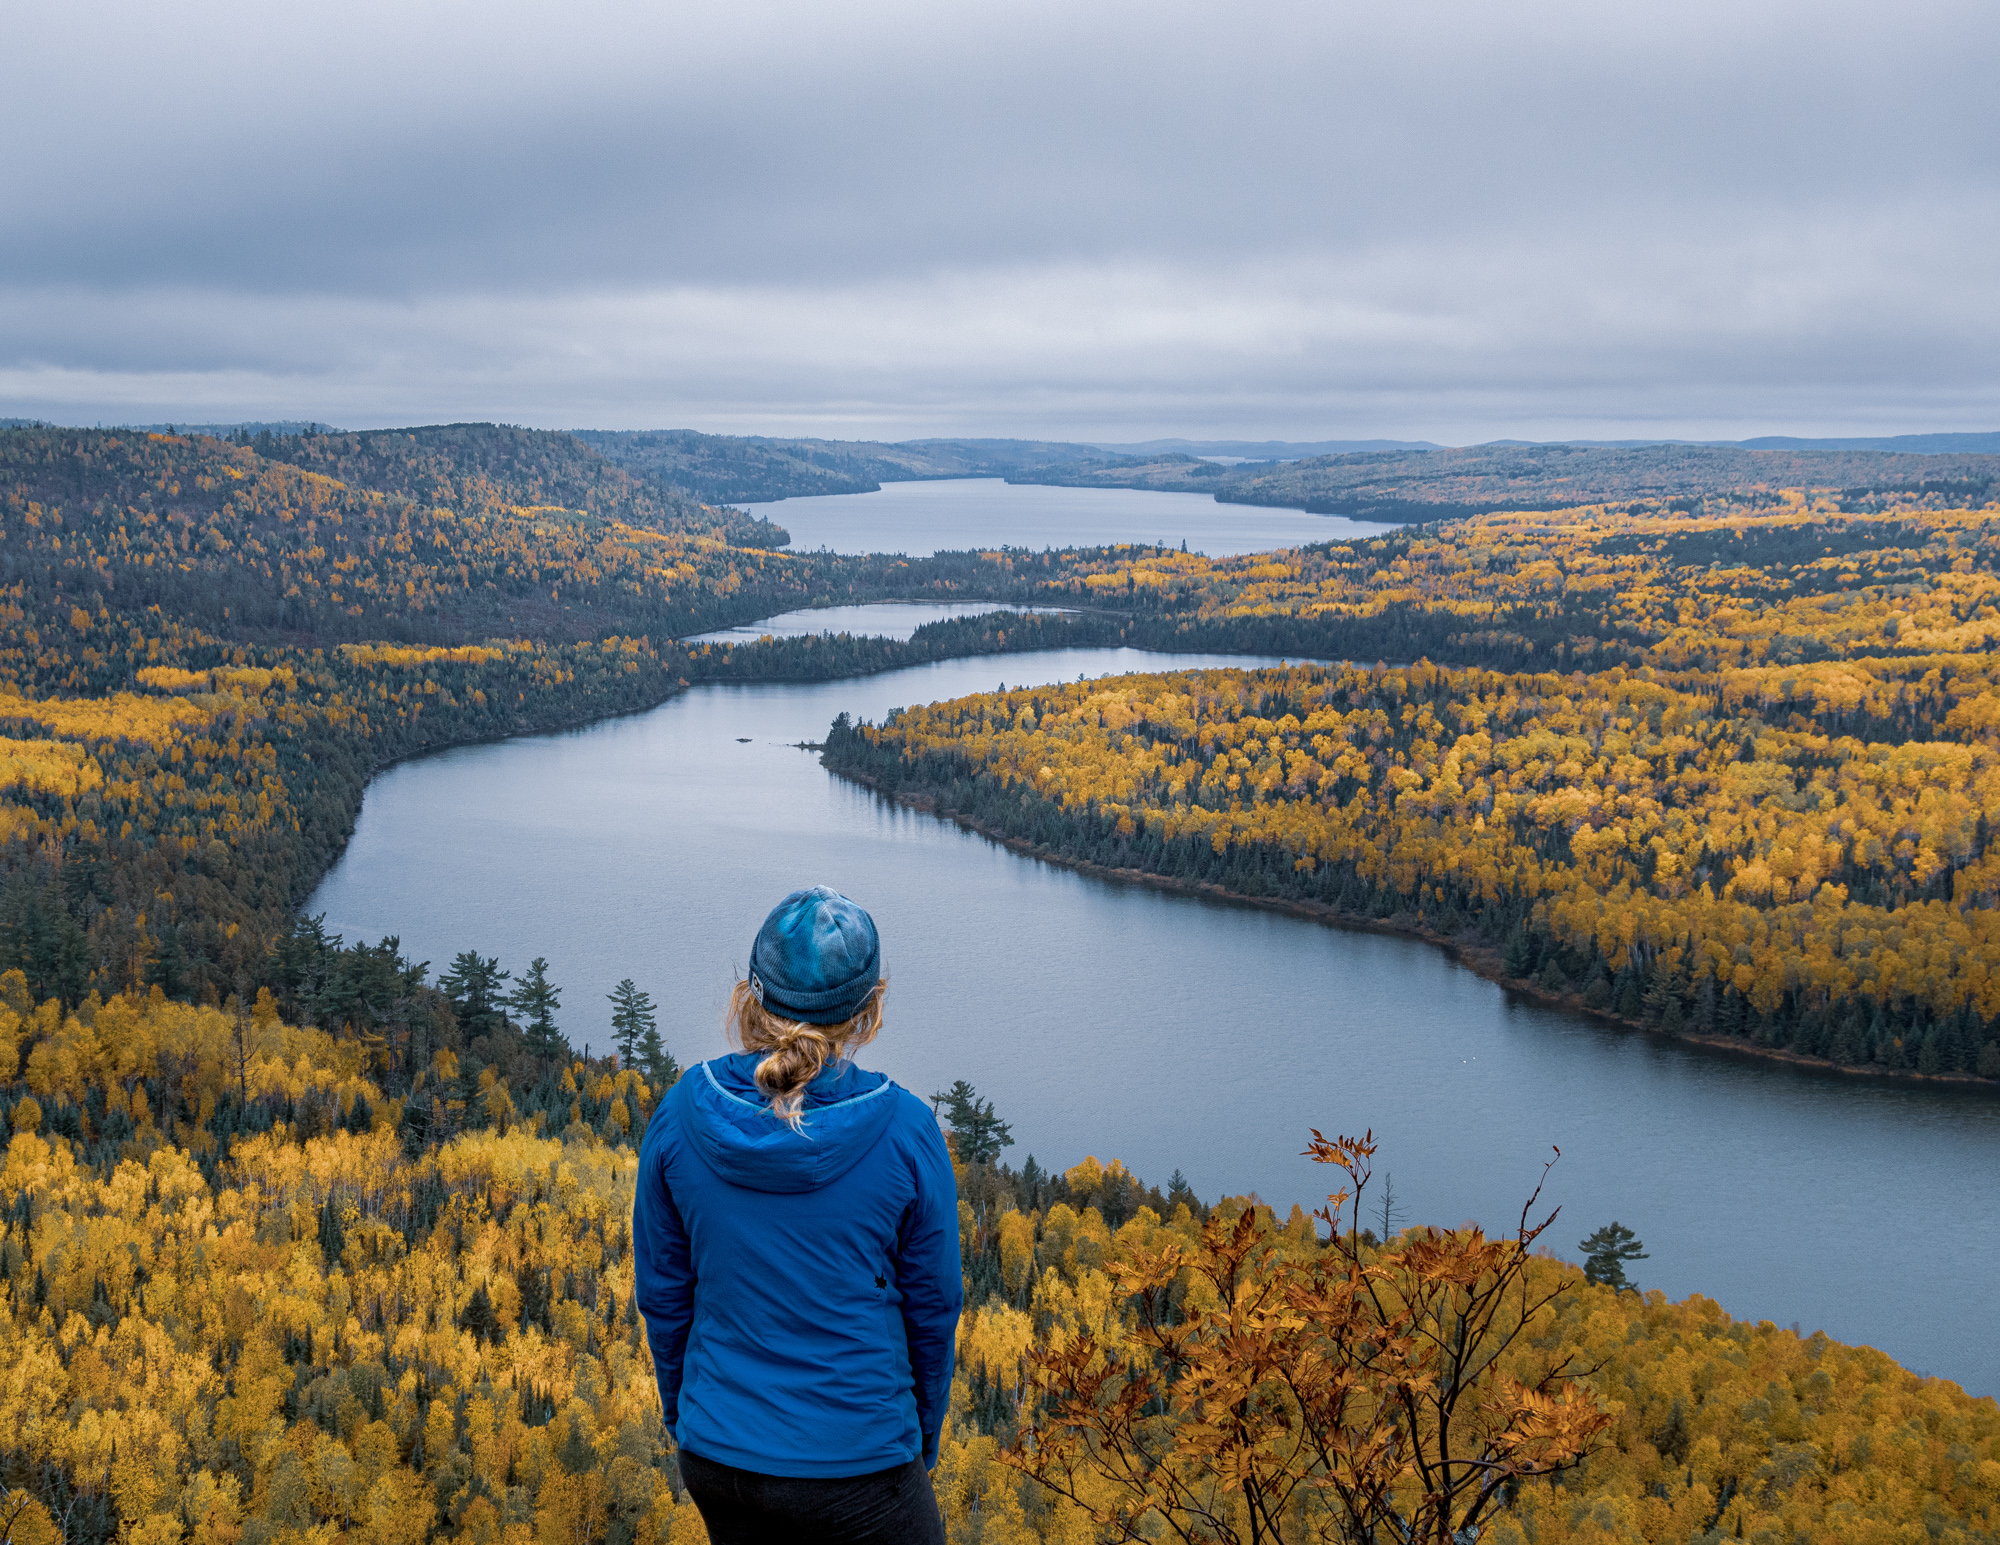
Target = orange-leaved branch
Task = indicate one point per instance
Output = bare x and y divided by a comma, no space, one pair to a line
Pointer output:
1262,1392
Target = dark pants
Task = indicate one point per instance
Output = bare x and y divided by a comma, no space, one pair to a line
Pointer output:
741,1507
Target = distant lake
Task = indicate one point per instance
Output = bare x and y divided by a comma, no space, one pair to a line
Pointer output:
1172,1032
923,518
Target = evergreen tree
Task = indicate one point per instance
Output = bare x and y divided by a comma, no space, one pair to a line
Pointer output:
1034,1179
1605,1255
977,1133
536,1001
437,1106
656,1062
1663,998
479,1316
304,960
169,968
332,1234
633,1019
476,990
575,1453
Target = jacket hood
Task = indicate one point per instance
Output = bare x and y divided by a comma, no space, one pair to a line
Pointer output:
731,1126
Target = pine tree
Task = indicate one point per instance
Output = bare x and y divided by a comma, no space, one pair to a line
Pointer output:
1605,1255
976,1132
633,1019
479,1316
536,1001
332,1234
656,1062
474,987
1664,996
1034,1178
304,960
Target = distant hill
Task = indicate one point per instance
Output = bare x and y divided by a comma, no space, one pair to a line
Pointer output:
1390,480
683,480
255,426
1406,486
1986,444
472,468
1262,450
1976,444
284,426
755,469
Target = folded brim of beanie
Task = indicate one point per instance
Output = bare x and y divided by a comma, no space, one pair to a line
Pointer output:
829,1007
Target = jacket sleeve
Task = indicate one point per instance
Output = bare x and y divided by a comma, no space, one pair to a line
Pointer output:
663,1274
928,1272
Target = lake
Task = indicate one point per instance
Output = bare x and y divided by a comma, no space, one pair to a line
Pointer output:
887,619
957,513
1174,1033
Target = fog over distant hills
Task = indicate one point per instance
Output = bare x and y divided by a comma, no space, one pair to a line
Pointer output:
1263,450
1987,443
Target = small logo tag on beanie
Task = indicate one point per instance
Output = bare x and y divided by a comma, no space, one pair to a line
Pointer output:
756,987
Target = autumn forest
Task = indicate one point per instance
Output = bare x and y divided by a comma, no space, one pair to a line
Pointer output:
301,1239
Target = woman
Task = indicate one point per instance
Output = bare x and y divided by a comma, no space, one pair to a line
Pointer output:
796,1245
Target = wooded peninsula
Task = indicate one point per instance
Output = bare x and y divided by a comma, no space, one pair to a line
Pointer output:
298,1241
1755,807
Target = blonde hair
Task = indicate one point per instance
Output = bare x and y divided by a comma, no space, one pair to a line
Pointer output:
797,1052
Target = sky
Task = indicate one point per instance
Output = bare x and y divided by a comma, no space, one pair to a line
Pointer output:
1429,219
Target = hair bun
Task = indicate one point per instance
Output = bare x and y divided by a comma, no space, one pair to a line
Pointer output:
795,1051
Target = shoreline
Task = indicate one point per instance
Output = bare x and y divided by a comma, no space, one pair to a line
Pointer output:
1480,959
1474,955
524,728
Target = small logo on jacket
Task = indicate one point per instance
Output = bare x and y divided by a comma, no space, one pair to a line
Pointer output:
880,1280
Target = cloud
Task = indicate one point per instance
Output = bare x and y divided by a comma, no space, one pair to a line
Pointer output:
1446,219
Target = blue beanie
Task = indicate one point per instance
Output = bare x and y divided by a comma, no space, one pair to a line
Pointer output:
816,958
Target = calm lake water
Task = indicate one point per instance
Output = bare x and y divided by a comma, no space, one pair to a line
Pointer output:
892,619
923,518
1169,1032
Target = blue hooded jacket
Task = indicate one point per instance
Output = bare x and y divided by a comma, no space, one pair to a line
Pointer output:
801,1290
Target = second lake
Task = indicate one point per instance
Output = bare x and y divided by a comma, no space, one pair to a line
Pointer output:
956,513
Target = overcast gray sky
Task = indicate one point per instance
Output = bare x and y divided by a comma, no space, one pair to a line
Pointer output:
1443,219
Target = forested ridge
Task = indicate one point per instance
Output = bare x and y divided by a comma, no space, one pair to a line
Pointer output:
491,468
206,652
190,710
756,468
300,1238
1387,484
1452,482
